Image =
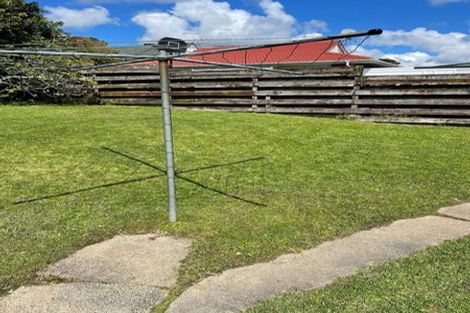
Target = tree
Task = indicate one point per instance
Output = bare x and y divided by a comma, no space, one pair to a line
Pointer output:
41,79
22,23
36,78
87,44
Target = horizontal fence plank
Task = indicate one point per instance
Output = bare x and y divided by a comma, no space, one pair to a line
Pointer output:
306,83
122,72
213,101
369,111
193,93
205,76
210,85
413,84
125,78
224,109
414,92
403,78
129,86
231,101
419,121
131,101
328,72
305,101
305,93
130,94
177,85
416,101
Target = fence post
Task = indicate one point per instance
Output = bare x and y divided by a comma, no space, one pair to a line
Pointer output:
355,97
356,88
254,88
96,89
268,108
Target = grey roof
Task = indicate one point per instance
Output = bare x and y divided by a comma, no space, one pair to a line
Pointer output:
455,65
135,49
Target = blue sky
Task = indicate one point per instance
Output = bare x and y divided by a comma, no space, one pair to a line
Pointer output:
417,32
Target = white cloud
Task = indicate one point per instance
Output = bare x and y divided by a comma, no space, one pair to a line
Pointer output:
307,36
426,47
348,31
443,47
213,19
411,59
315,26
375,53
81,19
440,2
406,59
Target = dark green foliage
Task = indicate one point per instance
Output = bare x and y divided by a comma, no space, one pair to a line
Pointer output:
28,79
86,44
22,22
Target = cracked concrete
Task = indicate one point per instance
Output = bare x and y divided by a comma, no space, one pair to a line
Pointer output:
131,260
237,289
125,274
461,211
82,298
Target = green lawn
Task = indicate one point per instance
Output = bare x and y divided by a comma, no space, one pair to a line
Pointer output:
320,179
436,280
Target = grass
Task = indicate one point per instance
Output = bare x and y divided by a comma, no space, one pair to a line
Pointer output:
436,280
320,179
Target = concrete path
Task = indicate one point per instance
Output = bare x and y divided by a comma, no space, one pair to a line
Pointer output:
461,211
82,298
127,274
130,274
237,289
130,260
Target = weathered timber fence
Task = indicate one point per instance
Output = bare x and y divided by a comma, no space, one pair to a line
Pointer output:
333,91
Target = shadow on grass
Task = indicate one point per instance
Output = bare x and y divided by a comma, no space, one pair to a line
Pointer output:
68,193
163,173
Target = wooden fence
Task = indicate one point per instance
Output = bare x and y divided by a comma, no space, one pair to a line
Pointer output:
333,91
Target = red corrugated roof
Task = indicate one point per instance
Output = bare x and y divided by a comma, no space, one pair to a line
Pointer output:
295,53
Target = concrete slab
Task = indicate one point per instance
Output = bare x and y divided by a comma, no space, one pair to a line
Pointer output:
236,290
82,298
461,211
143,260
